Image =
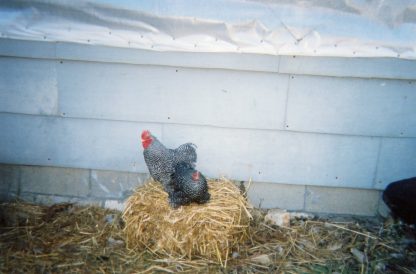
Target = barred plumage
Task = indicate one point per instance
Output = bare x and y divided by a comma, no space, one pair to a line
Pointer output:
189,186
185,153
161,161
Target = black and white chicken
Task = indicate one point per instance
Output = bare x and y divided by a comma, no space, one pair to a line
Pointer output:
174,169
189,186
400,197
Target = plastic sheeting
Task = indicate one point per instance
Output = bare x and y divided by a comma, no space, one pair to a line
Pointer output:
343,28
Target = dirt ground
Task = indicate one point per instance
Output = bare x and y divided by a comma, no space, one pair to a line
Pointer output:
66,238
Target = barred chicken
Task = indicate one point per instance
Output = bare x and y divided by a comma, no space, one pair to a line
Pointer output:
189,186
161,161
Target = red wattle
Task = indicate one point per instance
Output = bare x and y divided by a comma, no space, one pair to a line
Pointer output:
146,143
195,176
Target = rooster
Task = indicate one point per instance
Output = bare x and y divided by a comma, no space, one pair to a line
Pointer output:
161,161
189,186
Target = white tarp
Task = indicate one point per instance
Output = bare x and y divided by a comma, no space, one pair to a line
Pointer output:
344,28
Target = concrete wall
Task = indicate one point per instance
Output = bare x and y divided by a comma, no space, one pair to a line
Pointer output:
49,185
313,133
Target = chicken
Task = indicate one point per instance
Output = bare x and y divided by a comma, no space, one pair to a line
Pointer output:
161,161
400,197
189,186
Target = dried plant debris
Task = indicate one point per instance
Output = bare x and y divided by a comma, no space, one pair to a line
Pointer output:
67,238
208,230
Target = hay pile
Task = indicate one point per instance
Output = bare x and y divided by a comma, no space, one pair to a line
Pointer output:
210,230
62,238
67,238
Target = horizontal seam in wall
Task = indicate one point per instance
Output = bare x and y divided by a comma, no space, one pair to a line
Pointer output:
202,66
207,125
49,194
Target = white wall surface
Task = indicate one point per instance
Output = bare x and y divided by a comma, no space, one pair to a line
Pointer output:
270,118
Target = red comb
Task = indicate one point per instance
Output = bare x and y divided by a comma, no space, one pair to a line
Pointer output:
145,134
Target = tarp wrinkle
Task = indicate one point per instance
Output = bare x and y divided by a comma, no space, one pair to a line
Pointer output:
341,28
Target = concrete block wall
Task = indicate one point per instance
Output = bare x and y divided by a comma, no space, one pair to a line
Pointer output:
307,130
49,185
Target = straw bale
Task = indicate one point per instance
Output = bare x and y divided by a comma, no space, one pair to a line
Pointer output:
210,230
